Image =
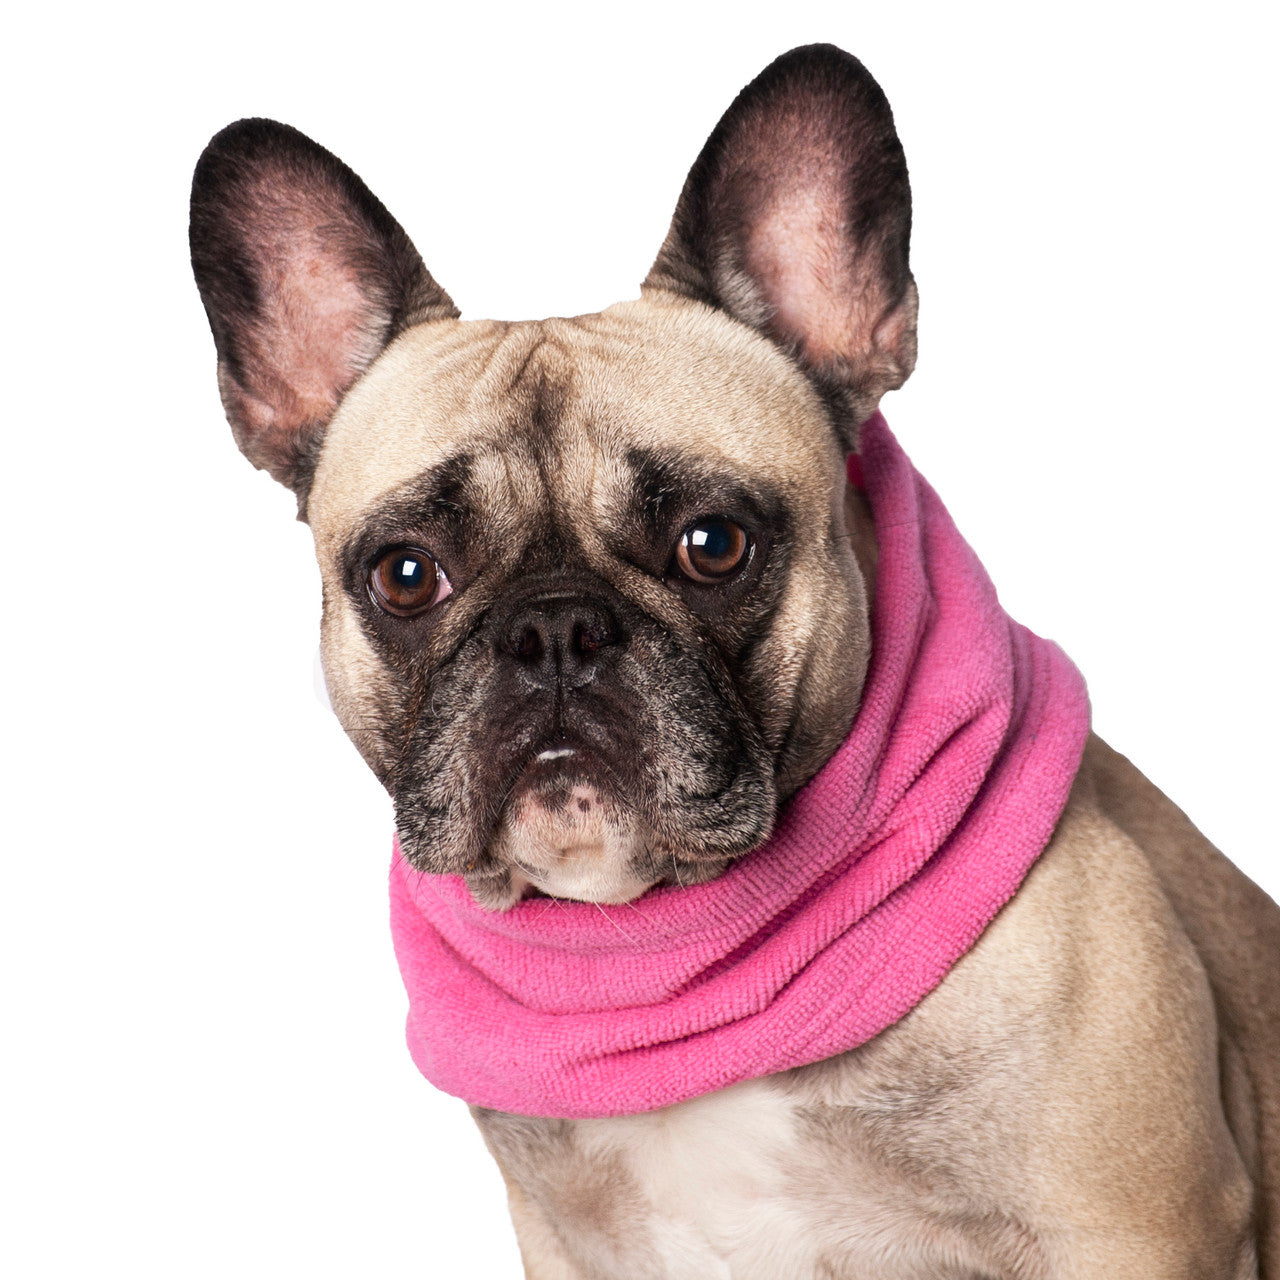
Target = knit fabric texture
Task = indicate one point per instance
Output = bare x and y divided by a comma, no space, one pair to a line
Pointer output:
881,873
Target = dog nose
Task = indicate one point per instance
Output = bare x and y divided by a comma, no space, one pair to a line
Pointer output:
557,641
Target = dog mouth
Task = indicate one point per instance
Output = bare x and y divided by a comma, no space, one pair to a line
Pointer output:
574,819
568,830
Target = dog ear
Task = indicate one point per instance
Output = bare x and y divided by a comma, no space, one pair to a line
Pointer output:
796,219
305,278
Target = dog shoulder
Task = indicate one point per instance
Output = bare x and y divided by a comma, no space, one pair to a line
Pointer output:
1234,928
1233,925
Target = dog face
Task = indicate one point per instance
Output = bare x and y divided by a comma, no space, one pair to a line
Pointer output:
591,611
599,698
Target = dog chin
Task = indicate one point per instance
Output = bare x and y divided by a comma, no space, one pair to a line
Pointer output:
570,840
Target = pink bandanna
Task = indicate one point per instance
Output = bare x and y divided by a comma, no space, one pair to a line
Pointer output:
881,874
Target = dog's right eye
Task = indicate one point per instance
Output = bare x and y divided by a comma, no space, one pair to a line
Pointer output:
406,581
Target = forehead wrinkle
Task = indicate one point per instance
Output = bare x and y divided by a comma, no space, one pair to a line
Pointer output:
588,492
511,366
544,454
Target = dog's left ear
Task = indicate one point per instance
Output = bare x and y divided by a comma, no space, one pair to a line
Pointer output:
796,219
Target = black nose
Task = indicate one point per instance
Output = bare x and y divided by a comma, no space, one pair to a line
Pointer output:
558,640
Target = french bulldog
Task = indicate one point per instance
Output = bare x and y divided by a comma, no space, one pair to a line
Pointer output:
597,601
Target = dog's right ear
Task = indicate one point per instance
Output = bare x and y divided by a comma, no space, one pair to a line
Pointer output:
305,278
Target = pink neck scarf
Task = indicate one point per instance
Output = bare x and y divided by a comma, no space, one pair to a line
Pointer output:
881,874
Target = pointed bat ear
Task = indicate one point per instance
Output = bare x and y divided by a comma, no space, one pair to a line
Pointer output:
796,219
305,278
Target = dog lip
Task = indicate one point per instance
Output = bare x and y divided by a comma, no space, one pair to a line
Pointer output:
560,757
558,761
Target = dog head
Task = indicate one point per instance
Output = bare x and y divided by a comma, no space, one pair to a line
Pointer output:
591,607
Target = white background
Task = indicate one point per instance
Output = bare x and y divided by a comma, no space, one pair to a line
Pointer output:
205,1067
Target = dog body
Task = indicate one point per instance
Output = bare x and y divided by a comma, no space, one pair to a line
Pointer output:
596,604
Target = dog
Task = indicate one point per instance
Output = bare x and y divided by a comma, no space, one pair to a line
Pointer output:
598,606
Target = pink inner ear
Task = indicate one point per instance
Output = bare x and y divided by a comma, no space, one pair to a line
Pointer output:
801,262
823,289
318,327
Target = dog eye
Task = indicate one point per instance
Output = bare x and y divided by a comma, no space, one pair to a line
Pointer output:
406,580
712,550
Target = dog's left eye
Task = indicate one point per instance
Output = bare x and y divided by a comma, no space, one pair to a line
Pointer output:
406,581
712,550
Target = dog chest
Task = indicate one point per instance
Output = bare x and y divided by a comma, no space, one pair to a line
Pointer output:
735,1185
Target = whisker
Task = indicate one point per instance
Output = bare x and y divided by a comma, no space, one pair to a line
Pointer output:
615,924
662,932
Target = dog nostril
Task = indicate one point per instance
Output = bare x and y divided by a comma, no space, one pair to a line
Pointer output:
590,636
527,646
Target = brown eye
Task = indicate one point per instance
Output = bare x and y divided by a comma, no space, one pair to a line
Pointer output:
406,580
712,550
